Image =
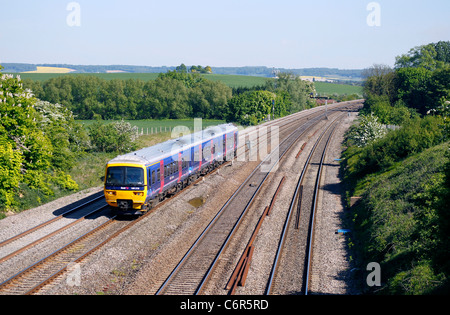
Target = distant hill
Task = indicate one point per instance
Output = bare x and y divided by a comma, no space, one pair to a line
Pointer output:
331,73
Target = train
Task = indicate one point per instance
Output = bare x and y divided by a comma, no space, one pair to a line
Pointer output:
137,181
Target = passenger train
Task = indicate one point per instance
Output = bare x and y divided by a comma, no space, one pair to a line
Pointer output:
137,181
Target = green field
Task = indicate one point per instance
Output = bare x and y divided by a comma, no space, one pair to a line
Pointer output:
160,125
324,88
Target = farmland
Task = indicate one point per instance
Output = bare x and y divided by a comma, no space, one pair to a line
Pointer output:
153,126
324,88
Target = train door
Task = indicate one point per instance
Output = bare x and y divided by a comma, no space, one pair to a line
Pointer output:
196,158
161,176
180,166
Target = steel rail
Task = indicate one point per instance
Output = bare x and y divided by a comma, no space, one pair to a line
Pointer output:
54,254
40,240
312,220
37,227
290,211
217,216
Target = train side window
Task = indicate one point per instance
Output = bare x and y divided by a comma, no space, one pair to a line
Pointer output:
158,175
153,177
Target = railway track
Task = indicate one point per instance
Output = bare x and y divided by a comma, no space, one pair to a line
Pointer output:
294,251
44,271
195,268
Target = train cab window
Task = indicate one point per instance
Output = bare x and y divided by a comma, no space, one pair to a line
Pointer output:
125,176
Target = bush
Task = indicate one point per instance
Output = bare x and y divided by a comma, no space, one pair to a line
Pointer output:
413,137
368,130
399,219
114,137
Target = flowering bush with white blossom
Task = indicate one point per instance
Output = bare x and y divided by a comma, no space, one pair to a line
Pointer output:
27,149
368,130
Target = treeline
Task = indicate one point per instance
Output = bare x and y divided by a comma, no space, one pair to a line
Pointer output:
403,173
173,95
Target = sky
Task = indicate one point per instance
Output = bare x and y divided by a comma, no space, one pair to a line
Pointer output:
345,34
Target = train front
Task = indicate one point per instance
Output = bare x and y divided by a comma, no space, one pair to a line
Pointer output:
125,188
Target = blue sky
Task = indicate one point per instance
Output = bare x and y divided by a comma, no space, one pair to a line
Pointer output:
281,33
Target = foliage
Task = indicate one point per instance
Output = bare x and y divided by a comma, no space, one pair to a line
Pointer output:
33,145
297,89
173,95
200,69
252,107
368,130
403,220
413,137
397,114
430,57
399,220
114,137
379,81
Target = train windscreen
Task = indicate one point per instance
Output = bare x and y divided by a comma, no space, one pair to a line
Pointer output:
124,176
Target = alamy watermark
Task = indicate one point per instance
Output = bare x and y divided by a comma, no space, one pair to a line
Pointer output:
73,275
74,17
252,145
374,277
374,17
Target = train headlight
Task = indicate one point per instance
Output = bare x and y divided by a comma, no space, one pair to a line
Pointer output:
138,193
111,193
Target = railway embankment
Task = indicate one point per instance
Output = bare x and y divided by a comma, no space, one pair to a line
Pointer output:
401,220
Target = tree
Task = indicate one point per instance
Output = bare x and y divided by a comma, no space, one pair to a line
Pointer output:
27,154
379,80
181,68
250,108
114,137
443,51
431,56
411,85
297,89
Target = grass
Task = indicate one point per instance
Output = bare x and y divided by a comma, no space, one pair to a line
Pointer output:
398,221
161,125
324,88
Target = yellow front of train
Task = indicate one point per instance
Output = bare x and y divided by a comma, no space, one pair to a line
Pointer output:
125,187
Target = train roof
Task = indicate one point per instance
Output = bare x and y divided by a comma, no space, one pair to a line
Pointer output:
165,149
